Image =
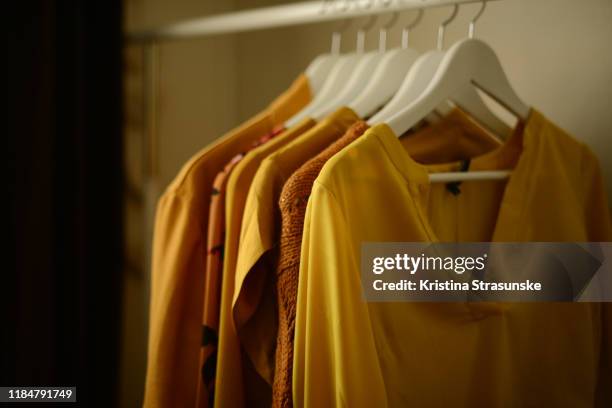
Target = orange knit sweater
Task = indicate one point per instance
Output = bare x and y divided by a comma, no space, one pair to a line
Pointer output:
293,200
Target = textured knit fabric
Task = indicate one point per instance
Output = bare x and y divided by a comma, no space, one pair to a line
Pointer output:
349,352
455,133
236,383
212,278
292,204
179,256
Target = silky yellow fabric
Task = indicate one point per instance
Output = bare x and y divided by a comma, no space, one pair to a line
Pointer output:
229,388
254,296
357,354
179,254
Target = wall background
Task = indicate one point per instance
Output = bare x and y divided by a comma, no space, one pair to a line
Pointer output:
555,52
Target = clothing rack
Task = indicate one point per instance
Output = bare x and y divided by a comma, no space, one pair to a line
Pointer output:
284,16
249,20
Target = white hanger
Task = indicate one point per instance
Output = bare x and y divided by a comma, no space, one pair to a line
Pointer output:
469,61
358,79
421,75
417,79
335,81
469,100
389,74
321,66
319,69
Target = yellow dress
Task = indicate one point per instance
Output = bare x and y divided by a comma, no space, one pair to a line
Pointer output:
232,377
357,354
254,296
179,256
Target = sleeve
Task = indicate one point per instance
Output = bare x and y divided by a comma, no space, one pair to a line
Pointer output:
253,302
599,229
335,358
175,313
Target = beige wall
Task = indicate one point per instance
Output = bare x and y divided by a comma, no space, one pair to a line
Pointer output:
196,101
555,52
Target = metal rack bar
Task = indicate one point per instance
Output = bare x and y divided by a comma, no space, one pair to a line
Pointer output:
282,16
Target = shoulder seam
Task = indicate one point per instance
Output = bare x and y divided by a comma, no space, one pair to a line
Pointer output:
333,196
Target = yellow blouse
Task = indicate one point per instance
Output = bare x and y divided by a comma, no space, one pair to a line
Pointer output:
179,255
357,354
232,377
254,296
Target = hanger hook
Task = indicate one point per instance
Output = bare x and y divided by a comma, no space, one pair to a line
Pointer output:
392,21
407,28
476,17
364,29
342,27
382,33
443,25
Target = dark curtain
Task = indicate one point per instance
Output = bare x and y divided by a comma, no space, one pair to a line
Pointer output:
62,289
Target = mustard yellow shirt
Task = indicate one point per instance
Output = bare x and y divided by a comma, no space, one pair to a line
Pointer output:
357,354
231,387
179,256
254,295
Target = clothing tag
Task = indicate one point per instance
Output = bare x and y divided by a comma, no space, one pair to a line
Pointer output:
453,186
